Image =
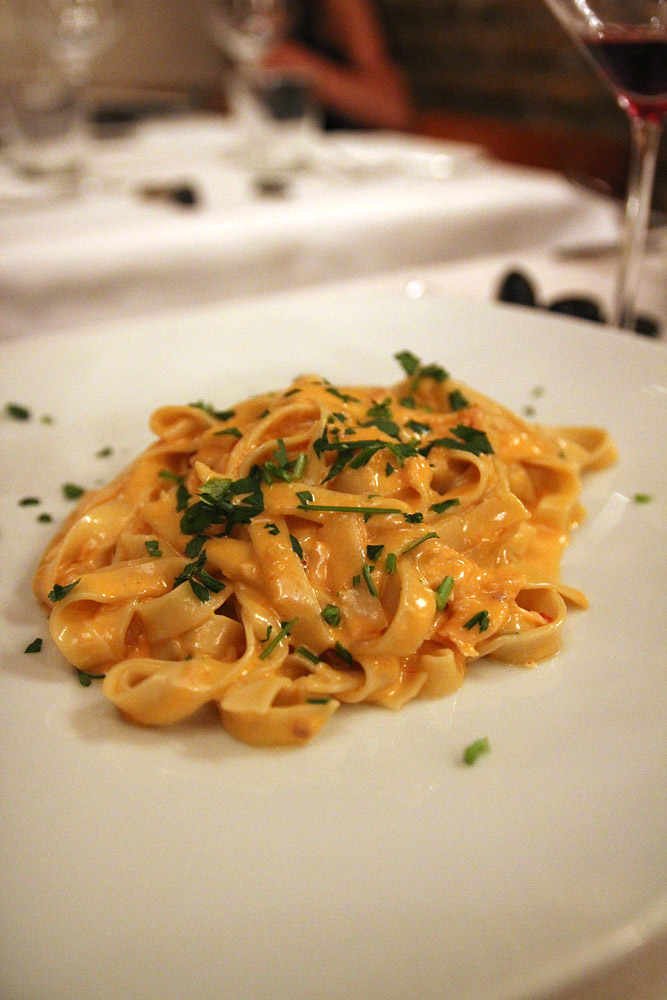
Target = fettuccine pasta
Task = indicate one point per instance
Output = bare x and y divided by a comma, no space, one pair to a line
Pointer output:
319,546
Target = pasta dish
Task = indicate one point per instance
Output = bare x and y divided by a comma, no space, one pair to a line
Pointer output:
318,546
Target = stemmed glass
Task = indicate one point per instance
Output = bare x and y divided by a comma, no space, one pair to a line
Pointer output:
626,40
75,31
69,34
244,30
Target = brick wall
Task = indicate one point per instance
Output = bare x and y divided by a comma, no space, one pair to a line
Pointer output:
508,60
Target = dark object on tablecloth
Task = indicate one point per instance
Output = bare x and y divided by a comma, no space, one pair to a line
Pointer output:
176,194
518,289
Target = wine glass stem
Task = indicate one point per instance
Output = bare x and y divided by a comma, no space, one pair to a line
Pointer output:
645,135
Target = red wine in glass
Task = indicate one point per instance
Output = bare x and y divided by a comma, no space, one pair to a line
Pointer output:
626,40
635,64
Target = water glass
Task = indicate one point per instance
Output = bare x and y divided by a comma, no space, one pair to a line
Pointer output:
43,127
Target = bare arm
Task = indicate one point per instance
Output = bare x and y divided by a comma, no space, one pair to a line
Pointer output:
368,88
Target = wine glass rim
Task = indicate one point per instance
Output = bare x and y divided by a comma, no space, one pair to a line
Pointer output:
607,16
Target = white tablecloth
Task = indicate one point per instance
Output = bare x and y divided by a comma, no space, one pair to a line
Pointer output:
553,273
377,206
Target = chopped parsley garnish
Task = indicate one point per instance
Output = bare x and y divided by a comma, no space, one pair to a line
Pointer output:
153,548
44,518
331,615
29,501
278,637
307,654
344,654
182,495
444,592
305,496
171,476
408,361
17,412
390,562
272,528
414,369
86,679
380,417
373,551
469,439
435,372
212,412
299,465
201,582
481,619
231,431
340,508
317,701
104,452
279,466
58,592
34,647
418,427
280,453
642,498
342,395
457,400
418,541
296,546
358,453
415,518
476,749
367,570
443,505
194,546
216,504
72,492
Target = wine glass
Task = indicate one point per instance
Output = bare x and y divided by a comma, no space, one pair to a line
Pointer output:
626,41
74,31
60,39
244,30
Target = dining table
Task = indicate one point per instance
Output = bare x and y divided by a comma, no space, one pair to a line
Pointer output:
171,214
175,246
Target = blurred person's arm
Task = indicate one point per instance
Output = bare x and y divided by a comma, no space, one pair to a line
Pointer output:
367,88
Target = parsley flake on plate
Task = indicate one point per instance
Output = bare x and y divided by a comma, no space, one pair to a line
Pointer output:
71,491
17,412
476,749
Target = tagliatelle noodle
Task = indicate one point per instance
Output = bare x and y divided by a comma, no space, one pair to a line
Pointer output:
320,546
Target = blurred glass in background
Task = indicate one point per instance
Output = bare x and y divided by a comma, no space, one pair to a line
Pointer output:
47,48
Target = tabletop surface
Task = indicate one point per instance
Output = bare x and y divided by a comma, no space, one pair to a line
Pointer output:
361,209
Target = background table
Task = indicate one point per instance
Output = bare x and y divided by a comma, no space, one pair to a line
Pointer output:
376,207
